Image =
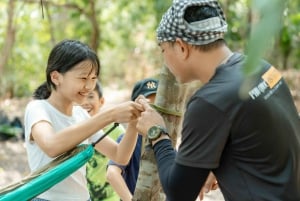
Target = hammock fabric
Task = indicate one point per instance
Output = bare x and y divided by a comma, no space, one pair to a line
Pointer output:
49,175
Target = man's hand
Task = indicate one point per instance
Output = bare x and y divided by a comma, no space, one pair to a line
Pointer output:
211,183
149,117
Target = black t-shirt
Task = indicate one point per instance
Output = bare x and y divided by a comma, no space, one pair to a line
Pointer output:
246,129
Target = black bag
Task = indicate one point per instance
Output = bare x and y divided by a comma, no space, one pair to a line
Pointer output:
9,129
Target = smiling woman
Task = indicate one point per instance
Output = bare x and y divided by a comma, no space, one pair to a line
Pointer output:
55,125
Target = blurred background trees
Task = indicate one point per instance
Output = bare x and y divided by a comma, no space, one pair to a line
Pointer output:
121,31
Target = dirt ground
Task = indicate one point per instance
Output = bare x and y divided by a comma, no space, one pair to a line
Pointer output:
13,162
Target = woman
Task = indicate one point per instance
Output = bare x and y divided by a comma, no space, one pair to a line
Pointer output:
55,122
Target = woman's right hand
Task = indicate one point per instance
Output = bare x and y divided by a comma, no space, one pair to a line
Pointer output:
126,112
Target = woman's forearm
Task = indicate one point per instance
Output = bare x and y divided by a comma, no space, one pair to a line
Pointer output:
127,144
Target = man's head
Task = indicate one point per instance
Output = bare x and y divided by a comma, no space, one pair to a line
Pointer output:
196,22
146,87
190,36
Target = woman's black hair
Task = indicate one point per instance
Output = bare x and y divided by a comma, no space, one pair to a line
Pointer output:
63,57
42,92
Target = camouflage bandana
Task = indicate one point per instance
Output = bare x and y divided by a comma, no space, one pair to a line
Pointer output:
173,25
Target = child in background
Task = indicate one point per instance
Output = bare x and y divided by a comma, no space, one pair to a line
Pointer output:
99,188
123,178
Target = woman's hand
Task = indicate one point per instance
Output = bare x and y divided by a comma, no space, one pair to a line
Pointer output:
126,112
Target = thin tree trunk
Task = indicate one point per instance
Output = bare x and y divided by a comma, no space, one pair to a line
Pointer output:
51,28
90,13
95,36
10,37
285,60
171,98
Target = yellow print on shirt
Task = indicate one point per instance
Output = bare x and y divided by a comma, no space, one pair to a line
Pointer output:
272,77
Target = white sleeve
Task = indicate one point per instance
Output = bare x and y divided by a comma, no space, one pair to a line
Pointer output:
34,112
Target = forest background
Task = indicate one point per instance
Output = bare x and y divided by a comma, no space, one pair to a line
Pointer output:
122,33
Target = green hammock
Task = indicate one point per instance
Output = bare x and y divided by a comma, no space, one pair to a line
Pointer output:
49,175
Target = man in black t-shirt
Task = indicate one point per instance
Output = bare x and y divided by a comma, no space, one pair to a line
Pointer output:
243,128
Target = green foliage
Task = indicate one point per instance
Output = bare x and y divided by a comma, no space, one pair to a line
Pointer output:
264,31
237,17
127,48
128,42
289,40
285,40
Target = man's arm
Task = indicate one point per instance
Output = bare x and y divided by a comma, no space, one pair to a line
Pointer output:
211,183
179,182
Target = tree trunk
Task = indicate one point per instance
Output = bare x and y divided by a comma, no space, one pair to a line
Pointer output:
51,27
90,12
95,36
10,37
170,99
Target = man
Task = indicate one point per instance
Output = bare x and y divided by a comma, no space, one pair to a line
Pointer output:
245,129
123,178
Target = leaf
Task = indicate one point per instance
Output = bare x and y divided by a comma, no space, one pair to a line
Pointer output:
264,31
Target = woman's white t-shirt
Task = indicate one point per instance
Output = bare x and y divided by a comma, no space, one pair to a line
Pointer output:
73,187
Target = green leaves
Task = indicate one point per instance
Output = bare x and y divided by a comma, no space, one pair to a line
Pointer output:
269,21
127,45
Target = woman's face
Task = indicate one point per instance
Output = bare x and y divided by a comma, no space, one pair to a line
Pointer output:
76,84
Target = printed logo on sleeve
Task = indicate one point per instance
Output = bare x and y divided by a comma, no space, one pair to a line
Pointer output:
271,81
272,77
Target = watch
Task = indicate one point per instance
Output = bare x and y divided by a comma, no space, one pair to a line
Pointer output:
155,132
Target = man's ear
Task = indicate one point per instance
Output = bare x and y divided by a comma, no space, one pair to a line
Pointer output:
183,48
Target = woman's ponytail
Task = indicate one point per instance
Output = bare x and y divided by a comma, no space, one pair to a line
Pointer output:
42,92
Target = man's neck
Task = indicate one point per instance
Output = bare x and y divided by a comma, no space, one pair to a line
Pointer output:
206,63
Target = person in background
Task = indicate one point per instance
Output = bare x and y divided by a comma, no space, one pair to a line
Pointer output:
55,122
244,128
99,188
123,178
